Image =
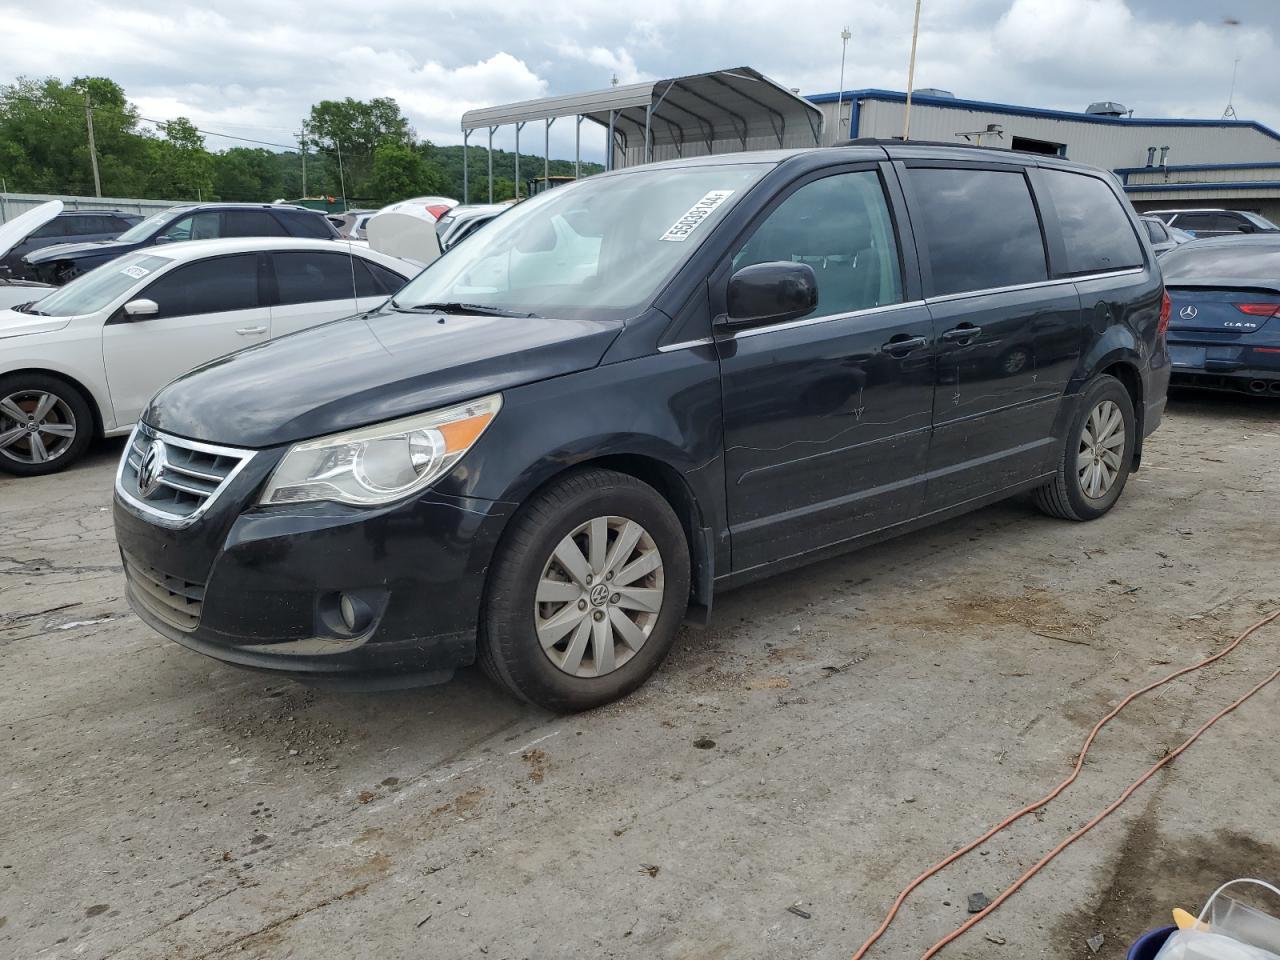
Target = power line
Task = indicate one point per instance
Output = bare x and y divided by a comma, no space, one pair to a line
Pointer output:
50,100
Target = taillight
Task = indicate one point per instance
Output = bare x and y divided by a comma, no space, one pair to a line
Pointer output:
437,210
1259,309
1166,310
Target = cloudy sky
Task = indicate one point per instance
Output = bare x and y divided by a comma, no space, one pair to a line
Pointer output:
253,69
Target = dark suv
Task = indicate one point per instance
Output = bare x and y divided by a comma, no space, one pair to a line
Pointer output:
70,226
206,221
560,439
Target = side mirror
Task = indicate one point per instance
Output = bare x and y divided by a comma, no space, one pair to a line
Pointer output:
141,308
771,293
1245,228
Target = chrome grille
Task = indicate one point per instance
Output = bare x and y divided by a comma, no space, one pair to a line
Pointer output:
177,602
183,479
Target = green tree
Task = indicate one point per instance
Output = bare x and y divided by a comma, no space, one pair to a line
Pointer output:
349,131
400,172
181,167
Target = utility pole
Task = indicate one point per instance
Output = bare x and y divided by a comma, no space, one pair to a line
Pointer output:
844,45
302,139
911,74
93,149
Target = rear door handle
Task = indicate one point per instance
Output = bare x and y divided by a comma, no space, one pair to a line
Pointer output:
900,348
961,333
250,331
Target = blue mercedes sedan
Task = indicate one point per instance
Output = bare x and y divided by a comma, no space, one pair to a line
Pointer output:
1224,330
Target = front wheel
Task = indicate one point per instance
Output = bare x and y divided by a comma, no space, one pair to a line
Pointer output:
587,591
1098,455
45,424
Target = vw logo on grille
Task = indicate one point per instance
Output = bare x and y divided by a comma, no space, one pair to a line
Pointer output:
599,594
1188,312
152,469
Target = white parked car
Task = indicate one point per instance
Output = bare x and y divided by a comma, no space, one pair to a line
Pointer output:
408,229
87,358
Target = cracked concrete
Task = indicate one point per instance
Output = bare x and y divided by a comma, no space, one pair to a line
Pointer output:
834,731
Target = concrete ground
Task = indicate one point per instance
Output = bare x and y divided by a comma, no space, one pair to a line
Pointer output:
834,731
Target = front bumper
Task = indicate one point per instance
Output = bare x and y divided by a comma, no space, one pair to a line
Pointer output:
262,588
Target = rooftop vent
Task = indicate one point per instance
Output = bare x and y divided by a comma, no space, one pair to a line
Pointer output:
934,92
1107,108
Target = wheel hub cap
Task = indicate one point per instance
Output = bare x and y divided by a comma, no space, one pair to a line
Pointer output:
1102,448
599,596
35,426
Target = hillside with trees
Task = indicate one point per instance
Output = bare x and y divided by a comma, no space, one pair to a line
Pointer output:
366,150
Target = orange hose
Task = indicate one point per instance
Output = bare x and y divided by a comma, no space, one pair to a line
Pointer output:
1052,794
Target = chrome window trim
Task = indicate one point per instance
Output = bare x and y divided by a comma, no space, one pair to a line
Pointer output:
825,318
687,344
986,291
159,517
1056,282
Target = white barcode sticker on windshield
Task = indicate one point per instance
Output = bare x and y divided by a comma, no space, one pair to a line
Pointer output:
136,272
680,230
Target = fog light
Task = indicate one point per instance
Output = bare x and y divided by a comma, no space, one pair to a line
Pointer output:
347,607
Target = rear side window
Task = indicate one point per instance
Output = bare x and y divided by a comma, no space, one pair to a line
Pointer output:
307,277
250,223
199,226
385,281
207,286
311,225
980,228
1095,227
840,226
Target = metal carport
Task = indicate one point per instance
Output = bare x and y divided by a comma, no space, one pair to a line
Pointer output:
718,112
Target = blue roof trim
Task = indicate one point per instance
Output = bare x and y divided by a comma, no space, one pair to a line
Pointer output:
1263,164
1171,187
893,96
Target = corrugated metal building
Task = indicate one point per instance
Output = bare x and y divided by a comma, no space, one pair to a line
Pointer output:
1162,162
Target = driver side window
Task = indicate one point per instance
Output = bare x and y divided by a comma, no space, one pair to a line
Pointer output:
840,226
198,226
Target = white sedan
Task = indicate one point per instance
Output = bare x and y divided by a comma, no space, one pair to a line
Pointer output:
85,359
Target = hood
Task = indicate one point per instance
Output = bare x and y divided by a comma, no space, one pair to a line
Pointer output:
369,368
14,324
14,231
90,248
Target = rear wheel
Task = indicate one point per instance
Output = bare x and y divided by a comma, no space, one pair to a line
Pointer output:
45,424
1098,455
587,591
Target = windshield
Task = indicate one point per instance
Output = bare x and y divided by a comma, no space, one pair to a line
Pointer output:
1259,221
140,231
1236,260
98,288
600,248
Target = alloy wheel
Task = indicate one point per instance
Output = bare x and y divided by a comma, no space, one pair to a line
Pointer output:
35,426
1101,449
599,596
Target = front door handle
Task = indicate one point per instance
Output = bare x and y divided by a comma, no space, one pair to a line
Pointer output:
962,334
250,331
901,347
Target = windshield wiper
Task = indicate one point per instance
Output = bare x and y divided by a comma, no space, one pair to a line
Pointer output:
479,309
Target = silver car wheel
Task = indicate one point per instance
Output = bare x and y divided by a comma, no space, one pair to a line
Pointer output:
1101,449
599,596
35,426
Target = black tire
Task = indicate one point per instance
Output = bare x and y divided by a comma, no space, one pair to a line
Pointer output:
509,648
15,462
1065,496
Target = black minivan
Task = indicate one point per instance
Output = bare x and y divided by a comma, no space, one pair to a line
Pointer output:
564,436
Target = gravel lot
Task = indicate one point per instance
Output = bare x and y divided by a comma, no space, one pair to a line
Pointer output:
834,731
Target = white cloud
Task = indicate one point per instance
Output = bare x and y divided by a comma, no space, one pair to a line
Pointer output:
242,67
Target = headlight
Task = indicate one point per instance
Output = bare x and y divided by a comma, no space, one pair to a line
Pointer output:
382,463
